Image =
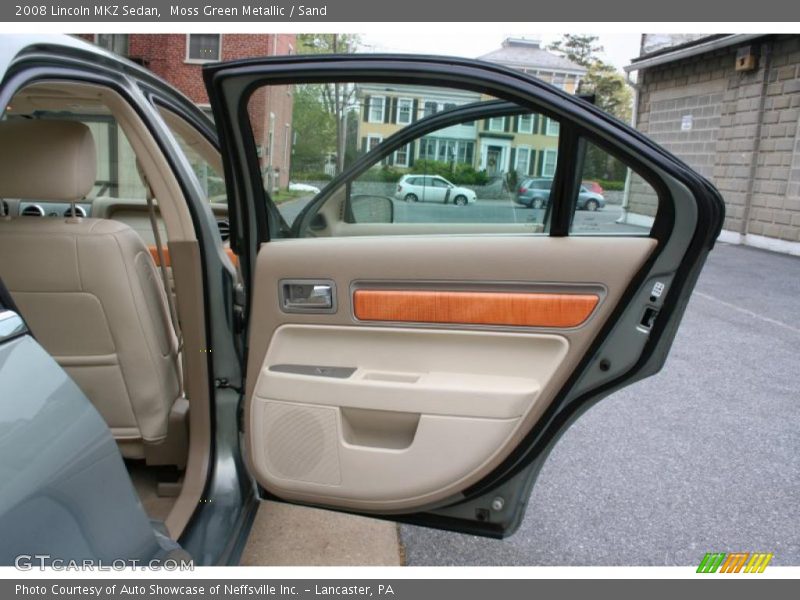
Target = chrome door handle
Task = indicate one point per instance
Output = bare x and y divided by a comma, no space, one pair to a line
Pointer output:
307,296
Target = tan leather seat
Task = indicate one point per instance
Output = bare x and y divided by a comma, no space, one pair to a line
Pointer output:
87,287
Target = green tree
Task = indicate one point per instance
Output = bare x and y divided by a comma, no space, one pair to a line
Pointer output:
612,94
580,49
314,129
338,98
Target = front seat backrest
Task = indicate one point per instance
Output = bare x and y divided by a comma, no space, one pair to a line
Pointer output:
88,287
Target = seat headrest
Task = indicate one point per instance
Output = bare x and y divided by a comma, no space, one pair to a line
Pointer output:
46,160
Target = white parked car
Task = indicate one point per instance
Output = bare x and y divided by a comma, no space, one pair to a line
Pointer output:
303,187
432,188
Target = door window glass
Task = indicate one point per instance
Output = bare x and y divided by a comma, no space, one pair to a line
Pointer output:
204,158
461,175
613,199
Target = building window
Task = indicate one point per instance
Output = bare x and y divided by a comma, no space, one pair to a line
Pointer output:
427,149
114,42
559,80
447,150
466,151
404,108
552,127
373,141
203,47
431,108
525,124
376,108
497,124
401,157
549,162
523,160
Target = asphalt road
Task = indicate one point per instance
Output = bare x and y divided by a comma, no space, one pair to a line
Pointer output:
704,456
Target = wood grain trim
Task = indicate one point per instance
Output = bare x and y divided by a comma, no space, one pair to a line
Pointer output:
154,253
165,250
520,309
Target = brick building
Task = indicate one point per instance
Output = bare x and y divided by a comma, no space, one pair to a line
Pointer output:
729,106
178,59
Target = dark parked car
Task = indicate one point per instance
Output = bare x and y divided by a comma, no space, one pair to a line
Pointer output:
355,353
535,193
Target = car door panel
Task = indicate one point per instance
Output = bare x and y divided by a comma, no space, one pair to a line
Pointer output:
390,436
451,363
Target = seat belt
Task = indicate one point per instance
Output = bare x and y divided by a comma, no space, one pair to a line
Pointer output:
173,311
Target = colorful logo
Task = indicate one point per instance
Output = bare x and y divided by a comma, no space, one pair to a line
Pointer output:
734,562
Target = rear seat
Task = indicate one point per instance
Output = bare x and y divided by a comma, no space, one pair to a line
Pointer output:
87,287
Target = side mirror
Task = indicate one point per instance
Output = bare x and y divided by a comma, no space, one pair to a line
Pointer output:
371,209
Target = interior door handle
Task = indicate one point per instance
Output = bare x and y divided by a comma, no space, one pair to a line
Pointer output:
308,296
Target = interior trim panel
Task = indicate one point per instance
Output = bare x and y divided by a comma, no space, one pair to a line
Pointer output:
393,426
394,417
518,309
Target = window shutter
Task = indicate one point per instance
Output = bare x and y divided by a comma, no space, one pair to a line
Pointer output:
507,124
531,162
394,110
486,124
512,165
387,109
366,109
540,163
364,144
390,159
516,123
414,110
411,149
535,129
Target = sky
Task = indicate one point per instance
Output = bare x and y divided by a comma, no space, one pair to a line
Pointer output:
619,48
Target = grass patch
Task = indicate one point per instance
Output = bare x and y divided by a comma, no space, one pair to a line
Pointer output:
285,195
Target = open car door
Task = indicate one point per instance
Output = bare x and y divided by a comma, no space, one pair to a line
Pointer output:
418,361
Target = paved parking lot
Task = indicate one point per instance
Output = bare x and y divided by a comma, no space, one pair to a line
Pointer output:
704,456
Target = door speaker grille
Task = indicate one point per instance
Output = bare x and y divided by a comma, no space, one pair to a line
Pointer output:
302,443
